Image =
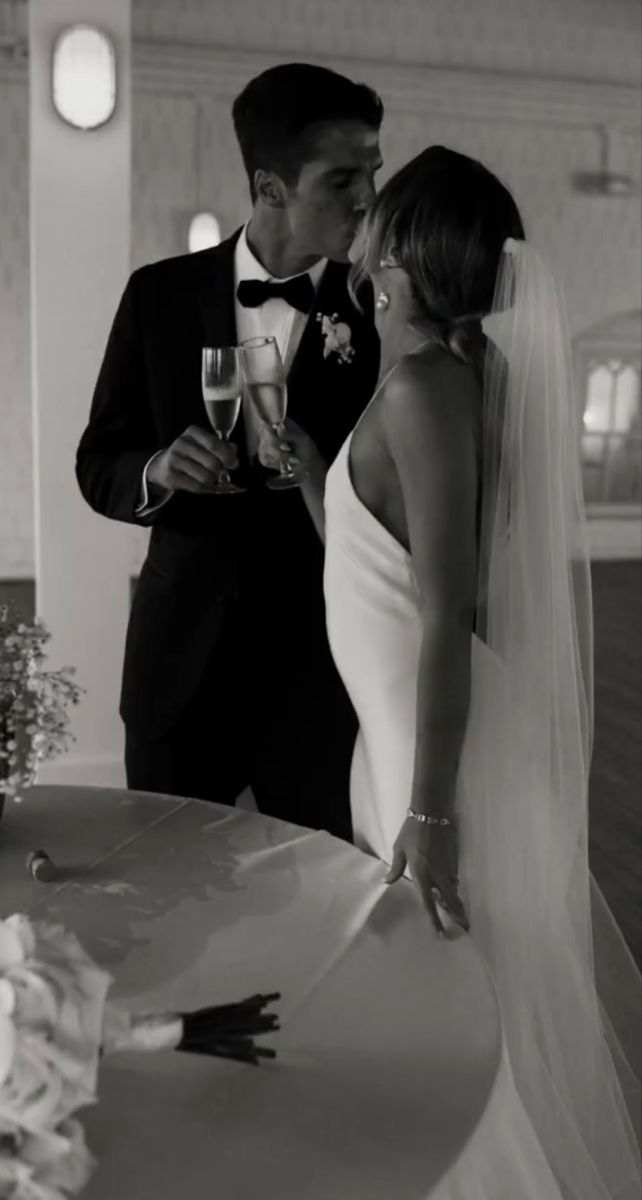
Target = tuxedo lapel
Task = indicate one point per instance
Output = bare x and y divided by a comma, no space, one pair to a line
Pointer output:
332,291
325,395
215,294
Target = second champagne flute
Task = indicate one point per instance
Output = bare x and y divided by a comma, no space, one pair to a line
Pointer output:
264,377
222,386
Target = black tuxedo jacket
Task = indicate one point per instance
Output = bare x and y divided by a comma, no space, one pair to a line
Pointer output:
258,550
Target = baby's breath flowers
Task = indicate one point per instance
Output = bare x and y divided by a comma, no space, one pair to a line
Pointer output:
34,702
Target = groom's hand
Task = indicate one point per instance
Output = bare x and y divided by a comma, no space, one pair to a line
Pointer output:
193,462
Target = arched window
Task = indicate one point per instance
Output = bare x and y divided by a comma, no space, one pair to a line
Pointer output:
607,372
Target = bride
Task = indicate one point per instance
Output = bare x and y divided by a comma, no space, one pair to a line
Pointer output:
459,614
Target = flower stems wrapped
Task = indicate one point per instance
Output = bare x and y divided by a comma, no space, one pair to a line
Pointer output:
222,1031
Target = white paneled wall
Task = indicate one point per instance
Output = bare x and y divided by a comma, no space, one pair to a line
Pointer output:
524,87
16,501
581,39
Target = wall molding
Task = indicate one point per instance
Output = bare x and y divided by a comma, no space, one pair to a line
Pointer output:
14,63
70,771
182,69
484,95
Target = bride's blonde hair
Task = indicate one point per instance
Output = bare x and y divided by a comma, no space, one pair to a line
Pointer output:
444,219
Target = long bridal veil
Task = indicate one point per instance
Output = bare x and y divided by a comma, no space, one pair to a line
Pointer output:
568,989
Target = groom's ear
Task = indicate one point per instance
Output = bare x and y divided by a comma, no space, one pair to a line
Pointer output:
269,188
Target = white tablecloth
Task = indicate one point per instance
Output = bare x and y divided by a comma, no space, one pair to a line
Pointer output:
390,1043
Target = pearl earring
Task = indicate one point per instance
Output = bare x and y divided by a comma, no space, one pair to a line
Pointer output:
382,301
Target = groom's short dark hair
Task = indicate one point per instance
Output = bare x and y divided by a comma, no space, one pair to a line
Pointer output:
278,113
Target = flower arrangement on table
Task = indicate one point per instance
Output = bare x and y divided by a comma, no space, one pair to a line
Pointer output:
55,1024
34,702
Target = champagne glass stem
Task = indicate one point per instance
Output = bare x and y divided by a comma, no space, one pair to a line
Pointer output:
285,467
224,475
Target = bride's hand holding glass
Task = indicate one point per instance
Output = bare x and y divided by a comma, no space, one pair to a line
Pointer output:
266,386
291,441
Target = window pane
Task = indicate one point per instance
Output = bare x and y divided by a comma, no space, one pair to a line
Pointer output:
609,372
627,401
599,389
594,447
623,470
593,484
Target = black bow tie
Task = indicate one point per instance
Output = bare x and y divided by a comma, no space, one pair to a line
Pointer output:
298,292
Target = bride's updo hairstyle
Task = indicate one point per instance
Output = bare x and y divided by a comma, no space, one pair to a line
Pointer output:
444,219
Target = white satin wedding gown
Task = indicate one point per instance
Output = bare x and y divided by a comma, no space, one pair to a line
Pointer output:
374,631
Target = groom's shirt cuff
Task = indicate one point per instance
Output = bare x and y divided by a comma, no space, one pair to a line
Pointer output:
151,498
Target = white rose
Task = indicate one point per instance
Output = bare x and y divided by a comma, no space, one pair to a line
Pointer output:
17,941
50,1042
47,1166
7,1049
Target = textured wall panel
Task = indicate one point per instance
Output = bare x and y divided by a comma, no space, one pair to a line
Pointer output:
575,38
16,508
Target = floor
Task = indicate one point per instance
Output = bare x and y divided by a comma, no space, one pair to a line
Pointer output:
615,806
615,803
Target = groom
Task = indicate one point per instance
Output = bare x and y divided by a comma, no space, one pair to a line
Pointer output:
228,679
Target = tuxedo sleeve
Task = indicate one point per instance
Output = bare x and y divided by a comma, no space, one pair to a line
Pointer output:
120,437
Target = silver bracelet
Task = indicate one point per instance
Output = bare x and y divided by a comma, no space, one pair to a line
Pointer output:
427,820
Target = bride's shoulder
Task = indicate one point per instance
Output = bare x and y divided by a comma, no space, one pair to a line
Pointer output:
432,388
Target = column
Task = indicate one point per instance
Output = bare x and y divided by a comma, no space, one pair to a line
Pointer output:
80,254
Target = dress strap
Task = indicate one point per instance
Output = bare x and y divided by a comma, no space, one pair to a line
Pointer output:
383,381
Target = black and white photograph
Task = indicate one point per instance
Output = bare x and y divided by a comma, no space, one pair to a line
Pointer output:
320,599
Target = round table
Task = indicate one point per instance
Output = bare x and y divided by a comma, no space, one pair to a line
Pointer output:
390,1043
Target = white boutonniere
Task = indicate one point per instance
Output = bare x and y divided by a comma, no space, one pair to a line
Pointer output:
338,338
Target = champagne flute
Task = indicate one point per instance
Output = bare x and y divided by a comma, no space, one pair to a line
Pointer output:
222,386
264,377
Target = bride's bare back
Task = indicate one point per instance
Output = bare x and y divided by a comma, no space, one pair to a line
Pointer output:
414,458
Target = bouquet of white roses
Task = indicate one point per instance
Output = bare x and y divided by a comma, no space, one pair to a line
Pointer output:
55,1023
51,1015
33,702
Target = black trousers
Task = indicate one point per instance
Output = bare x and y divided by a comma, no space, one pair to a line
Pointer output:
270,712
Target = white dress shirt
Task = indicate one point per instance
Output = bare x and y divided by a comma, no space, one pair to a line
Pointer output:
276,318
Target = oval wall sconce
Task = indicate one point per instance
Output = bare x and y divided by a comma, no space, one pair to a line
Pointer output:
83,79
204,232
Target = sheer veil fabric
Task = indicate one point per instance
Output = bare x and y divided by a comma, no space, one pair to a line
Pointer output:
568,989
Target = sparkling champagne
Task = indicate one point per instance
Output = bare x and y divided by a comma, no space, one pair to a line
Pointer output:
270,401
222,408
264,378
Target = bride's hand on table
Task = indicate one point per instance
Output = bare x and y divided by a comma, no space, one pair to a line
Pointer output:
431,854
